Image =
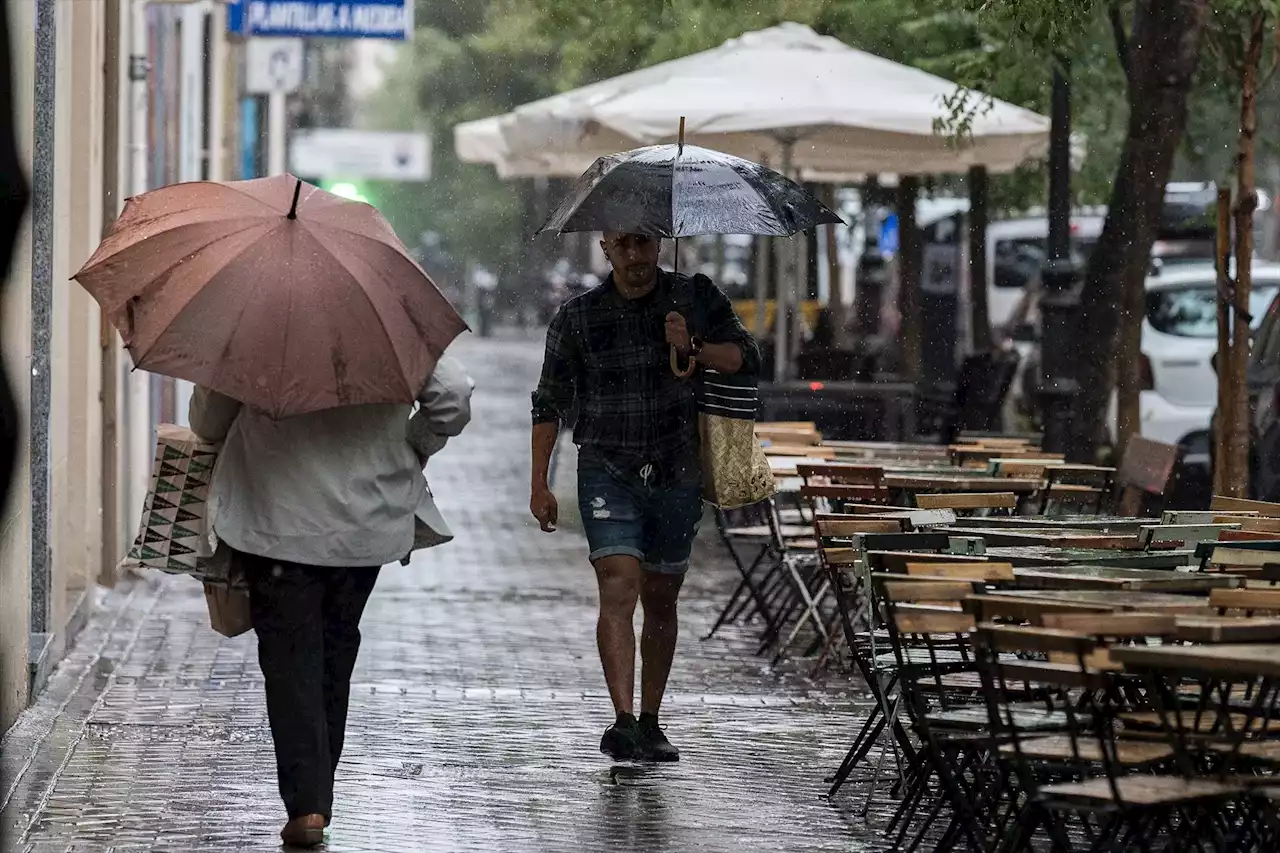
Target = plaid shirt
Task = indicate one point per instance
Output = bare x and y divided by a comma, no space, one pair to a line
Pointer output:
608,356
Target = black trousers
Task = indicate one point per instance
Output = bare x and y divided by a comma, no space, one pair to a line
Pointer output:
308,625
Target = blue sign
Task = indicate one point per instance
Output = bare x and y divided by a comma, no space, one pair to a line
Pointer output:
345,19
888,241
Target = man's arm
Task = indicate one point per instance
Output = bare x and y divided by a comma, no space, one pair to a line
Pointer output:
722,358
727,345
211,414
542,502
552,402
445,409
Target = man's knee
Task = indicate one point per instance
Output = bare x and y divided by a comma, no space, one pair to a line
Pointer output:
619,579
659,595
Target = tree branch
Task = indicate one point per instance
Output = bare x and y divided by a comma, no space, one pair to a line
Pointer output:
1120,36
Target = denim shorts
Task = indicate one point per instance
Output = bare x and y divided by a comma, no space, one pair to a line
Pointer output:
656,524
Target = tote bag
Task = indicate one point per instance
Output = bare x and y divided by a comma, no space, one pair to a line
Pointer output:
735,472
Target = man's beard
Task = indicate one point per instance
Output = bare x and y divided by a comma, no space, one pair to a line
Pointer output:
639,275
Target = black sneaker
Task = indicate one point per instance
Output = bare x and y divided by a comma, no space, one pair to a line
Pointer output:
621,741
654,745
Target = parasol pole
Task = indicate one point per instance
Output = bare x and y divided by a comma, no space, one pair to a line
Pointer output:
675,357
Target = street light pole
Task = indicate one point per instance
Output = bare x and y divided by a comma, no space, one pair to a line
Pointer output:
1060,299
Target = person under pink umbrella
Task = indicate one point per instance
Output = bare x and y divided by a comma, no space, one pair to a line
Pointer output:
311,336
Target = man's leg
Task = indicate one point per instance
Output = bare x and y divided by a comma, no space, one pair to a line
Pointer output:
671,523
346,594
658,596
614,524
619,577
285,602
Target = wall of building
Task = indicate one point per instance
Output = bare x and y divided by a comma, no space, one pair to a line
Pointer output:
15,343
74,493
75,439
98,467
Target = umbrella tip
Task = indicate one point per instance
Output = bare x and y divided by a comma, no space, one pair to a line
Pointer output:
293,208
681,141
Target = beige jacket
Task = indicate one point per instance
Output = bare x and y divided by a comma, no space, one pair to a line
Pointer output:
338,488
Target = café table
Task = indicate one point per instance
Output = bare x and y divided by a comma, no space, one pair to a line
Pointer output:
996,466
1033,604
959,482
1238,659
789,466
1039,555
1226,629
997,537
1097,523
1081,577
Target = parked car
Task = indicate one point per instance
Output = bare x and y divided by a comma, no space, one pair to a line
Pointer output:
1179,339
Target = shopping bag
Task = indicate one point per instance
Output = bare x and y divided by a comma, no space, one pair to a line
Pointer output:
228,609
176,532
735,472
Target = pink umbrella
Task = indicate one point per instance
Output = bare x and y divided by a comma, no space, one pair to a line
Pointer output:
273,292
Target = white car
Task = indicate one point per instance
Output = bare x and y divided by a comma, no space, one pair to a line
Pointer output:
1179,337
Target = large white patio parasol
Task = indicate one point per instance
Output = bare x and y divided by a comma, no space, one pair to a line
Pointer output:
780,94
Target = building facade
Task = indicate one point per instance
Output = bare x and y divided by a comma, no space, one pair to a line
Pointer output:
112,97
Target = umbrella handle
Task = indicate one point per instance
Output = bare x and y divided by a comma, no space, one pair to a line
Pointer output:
675,365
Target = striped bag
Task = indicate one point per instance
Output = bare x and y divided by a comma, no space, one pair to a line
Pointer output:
176,532
735,472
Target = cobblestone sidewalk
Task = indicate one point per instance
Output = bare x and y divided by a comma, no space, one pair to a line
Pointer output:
476,709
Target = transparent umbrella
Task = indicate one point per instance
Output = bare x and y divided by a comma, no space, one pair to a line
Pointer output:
684,191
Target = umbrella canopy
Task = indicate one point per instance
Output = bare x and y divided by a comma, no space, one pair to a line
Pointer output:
777,93
684,191
273,292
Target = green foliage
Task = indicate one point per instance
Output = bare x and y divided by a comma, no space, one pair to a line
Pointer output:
473,58
468,59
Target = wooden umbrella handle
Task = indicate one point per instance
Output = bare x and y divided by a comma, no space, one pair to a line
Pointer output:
675,365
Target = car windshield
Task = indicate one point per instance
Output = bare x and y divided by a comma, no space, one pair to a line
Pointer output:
1191,312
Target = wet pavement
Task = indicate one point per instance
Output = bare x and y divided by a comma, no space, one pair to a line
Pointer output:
476,709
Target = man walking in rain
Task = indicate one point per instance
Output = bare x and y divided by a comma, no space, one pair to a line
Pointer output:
639,476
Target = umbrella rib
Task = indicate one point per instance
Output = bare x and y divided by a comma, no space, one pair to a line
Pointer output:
770,201
226,347
360,287
232,186
178,229
397,245
284,345
151,284
139,357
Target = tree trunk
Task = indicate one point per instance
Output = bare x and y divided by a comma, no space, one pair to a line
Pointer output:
1128,366
1221,423
1246,202
979,316
1164,51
